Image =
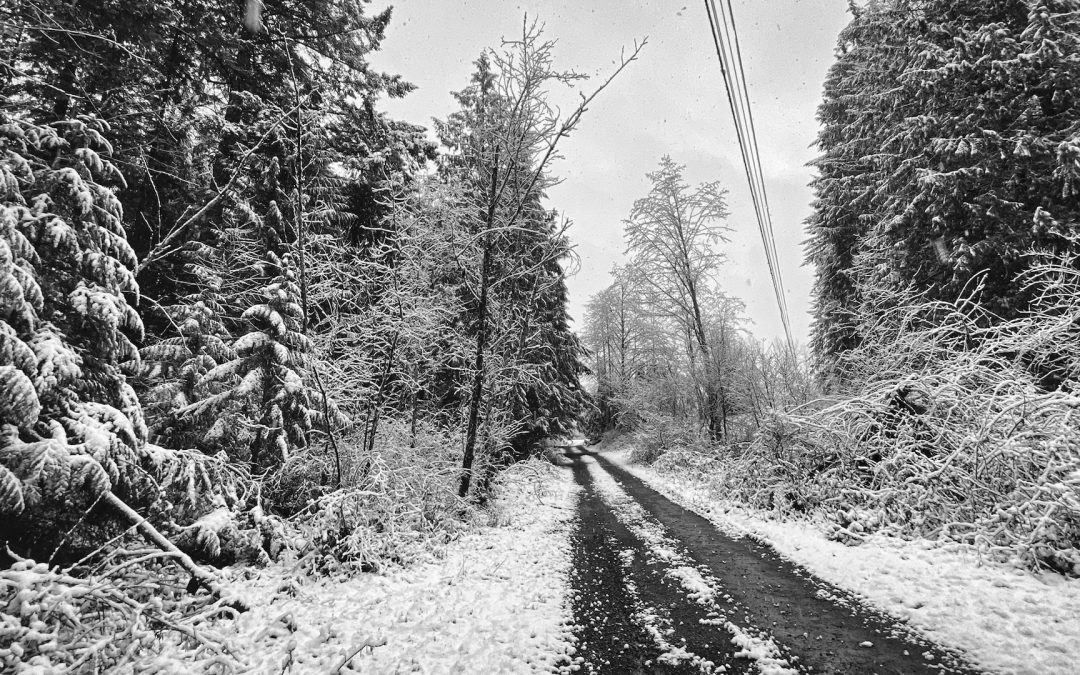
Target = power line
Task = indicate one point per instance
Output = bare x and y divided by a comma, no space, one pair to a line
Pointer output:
758,176
728,50
748,112
726,39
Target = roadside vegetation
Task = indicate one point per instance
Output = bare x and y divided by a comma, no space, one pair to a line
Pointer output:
938,396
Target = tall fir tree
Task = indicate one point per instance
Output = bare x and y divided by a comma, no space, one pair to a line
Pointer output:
951,132
868,53
546,395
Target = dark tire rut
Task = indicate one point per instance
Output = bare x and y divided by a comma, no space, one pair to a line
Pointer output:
610,590
616,581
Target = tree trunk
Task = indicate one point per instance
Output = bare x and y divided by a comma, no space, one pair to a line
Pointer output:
412,422
379,397
481,337
713,415
262,437
478,377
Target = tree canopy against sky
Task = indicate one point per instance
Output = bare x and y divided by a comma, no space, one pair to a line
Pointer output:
672,235
950,147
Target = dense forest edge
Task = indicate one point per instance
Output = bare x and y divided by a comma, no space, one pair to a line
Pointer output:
247,317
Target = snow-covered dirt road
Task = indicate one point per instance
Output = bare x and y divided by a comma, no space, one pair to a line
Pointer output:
657,588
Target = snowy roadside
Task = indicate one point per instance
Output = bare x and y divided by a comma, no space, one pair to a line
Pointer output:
495,603
1005,619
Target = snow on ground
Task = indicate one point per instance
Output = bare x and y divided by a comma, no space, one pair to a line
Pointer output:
1005,619
761,650
494,603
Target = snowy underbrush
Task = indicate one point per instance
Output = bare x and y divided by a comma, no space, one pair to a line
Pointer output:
491,600
105,600
534,481
213,509
958,428
126,607
109,613
656,434
395,505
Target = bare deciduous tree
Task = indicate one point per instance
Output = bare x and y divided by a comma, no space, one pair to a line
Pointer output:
672,235
504,140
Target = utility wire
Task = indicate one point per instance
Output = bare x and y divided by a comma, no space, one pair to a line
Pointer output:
732,34
726,40
737,114
768,238
749,112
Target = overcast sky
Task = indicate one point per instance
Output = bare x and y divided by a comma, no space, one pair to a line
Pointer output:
671,101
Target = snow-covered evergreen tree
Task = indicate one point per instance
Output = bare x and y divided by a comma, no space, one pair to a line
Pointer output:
69,422
985,163
951,148
544,393
257,396
174,368
869,53
274,354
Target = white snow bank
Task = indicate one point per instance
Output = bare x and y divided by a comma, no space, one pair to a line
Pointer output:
494,604
1005,619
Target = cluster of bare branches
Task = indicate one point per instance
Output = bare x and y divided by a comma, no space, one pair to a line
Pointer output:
105,612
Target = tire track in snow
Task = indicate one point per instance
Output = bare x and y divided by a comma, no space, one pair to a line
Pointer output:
630,617
816,627
695,582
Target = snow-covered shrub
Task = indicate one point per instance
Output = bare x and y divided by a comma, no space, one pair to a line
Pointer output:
776,472
104,619
957,427
657,433
70,425
300,481
394,506
213,507
518,485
